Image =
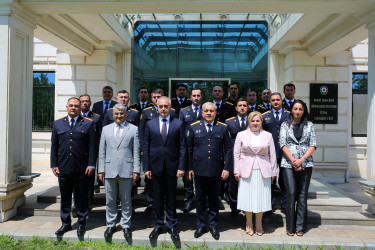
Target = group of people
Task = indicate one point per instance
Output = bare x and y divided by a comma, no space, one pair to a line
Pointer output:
235,149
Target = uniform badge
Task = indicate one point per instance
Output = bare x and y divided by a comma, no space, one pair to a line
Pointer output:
187,116
196,131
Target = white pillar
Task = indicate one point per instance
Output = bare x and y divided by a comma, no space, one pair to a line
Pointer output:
273,71
371,102
16,80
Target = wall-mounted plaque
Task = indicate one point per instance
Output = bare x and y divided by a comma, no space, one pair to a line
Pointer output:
323,103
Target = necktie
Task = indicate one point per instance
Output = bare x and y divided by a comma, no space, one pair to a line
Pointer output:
209,129
106,107
243,122
71,123
268,106
251,109
118,134
164,130
142,105
181,101
217,106
277,116
196,111
290,103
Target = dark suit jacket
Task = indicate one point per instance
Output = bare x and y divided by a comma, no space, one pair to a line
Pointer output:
137,106
207,153
259,108
286,105
159,153
270,125
72,151
98,107
227,110
131,117
177,106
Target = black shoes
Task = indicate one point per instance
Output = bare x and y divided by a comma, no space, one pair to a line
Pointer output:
63,229
109,232
174,234
81,230
149,209
187,209
215,233
199,232
127,233
155,233
234,213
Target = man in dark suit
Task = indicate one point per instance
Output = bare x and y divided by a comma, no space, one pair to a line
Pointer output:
73,159
236,124
233,93
101,107
188,116
251,97
143,103
289,92
164,159
85,112
181,101
266,95
224,109
209,162
131,114
272,120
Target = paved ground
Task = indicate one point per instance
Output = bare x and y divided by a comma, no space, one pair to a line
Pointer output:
232,233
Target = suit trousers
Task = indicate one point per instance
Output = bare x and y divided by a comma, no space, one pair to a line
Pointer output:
118,187
76,184
166,186
297,187
189,190
207,187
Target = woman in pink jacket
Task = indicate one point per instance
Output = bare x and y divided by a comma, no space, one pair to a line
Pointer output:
254,167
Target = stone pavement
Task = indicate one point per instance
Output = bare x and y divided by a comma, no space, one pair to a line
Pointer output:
231,231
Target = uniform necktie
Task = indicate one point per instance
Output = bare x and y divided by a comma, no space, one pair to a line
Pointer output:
71,123
142,105
196,111
164,130
242,122
217,106
268,106
277,116
106,107
251,109
181,101
209,129
290,103
118,134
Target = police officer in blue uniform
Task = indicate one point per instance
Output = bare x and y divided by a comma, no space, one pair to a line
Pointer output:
289,92
251,98
131,114
209,147
266,95
188,116
73,158
224,109
272,120
85,112
143,103
180,101
236,124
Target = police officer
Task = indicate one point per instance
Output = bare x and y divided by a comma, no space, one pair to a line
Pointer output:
266,95
251,97
181,101
73,158
236,124
143,103
224,109
209,149
85,112
233,93
101,107
131,114
272,120
188,116
289,92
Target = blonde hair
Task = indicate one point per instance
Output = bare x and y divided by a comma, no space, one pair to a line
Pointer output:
252,115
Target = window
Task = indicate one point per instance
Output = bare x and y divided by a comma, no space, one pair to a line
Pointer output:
43,101
359,110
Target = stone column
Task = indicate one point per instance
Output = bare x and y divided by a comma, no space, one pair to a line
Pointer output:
16,84
124,71
371,102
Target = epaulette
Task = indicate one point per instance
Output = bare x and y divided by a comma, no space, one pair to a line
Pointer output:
188,99
134,110
173,98
222,123
229,103
269,111
60,118
87,119
230,118
147,108
195,123
287,111
184,108
95,114
109,108
173,109
134,104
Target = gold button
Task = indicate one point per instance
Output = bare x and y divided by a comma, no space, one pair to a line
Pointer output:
209,151
209,139
70,154
71,133
209,157
71,140
70,147
209,145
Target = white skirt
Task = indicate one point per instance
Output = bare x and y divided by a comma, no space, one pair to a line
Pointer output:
254,193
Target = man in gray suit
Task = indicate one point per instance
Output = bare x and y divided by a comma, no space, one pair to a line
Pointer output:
119,166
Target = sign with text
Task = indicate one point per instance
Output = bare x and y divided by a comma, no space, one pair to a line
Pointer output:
323,103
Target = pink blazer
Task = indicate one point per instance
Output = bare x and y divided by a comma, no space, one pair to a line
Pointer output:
245,156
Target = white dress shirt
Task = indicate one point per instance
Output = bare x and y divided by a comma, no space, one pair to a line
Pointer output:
161,122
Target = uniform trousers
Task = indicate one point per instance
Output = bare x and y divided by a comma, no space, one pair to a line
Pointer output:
189,190
233,192
166,191
297,186
114,188
207,187
76,184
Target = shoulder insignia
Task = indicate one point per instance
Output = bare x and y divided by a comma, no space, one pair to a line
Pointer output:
95,114
60,118
87,119
134,110
269,111
230,118
173,109
134,104
173,98
188,99
229,103
109,108
147,108
287,111
195,123
184,108
222,124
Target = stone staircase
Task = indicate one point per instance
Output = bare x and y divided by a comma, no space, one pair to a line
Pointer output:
327,206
